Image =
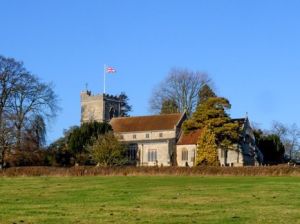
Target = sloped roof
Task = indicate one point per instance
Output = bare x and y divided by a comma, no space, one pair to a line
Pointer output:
190,138
146,123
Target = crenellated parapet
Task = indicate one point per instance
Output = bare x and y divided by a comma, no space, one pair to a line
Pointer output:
99,107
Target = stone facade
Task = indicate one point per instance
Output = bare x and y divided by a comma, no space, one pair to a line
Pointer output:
186,155
100,107
151,139
163,141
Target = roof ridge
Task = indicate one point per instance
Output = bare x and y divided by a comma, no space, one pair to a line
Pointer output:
154,115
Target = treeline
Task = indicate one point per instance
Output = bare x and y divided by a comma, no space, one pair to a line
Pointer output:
27,104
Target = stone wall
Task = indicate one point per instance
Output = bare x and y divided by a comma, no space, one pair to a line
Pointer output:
101,107
191,149
162,150
163,142
91,107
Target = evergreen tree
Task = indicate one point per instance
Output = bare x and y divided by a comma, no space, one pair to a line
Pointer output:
270,146
80,138
125,107
205,93
169,107
212,114
207,150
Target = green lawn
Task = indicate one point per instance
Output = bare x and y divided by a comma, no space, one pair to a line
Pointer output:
150,200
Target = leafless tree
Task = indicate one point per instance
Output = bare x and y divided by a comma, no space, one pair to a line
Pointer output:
32,98
289,135
23,97
181,86
10,71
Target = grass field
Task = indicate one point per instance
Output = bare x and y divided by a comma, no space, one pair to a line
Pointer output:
149,200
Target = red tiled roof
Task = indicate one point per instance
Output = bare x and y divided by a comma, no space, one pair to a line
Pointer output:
190,138
145,123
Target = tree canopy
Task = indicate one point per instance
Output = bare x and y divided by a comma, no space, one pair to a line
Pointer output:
205,93
207,149
270,146
212,114
81,137
108,151
125,107
169,107
181,86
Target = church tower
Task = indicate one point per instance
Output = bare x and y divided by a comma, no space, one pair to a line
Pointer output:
100,107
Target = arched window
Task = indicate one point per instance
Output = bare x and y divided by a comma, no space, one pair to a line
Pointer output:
111,113
184,154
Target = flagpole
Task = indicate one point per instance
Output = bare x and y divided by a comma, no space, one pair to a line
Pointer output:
104,71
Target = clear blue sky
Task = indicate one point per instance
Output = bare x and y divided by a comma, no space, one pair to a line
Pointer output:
251,49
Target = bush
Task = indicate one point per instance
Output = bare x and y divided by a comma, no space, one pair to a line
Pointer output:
106,150
152,171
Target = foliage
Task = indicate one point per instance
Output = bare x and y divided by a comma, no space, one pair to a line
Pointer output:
26,157
125,107
205,93
212,114
108,151
73,146
81,137
169,106
181,86
58,153
207,150
270,146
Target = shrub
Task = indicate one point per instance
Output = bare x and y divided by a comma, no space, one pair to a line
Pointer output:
108,151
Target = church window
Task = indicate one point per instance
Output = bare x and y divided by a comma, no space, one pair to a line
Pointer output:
147,135
111,113
132,151
193,156
152,155
222,153
184,155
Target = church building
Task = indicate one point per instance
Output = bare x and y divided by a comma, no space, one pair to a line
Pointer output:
158,140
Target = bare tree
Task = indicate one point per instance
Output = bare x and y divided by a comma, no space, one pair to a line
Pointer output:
181,86
10,71
33,98
293,139
23,97
289,135
279,129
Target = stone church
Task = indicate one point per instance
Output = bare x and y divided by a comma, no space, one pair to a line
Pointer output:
158,140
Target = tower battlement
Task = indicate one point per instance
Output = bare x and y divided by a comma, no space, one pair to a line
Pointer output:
99,107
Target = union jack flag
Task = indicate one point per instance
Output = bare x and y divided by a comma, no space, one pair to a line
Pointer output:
110,70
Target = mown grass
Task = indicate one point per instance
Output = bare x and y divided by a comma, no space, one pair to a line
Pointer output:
149,199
